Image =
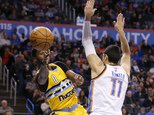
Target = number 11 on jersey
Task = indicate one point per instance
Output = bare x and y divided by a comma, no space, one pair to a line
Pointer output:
114,84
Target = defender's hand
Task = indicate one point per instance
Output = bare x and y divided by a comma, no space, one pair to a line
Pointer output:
78,79
119,25
89,9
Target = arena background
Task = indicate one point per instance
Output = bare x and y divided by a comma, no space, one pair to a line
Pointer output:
64,18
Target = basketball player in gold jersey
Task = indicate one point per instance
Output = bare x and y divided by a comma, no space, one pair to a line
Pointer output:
55,81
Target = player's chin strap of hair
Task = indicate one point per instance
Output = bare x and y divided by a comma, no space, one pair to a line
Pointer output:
87,39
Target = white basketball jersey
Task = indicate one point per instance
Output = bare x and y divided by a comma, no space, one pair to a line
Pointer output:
107,91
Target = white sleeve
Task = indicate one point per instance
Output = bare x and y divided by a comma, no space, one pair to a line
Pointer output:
87,39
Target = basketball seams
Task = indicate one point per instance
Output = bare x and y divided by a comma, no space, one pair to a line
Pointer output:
43,34
40,44
39,38
46,39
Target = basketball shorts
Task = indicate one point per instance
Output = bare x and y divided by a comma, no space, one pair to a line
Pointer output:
71,111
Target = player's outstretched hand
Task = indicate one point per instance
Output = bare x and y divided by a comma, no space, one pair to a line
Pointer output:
78,79
89,9
45,61
119,25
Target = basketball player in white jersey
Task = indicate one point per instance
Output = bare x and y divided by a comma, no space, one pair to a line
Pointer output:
109,80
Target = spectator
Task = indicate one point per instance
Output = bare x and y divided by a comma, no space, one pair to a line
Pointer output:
97,43
152,72
85,65
38,99
45,107
2,34
145,47
19,67
5,41
148,92
142,111
150,62
77,89
39,13
80,59
82,99
5,107
56,20
129,102
142,87
148,101
30,87
132,89
141,76
142,63
22,38
139,96
101,49
135,67
77,68
14,40
109,40
47,20
65,21
134,82
148,82
124,111
49,13
151,112
28,46
136,57
13,16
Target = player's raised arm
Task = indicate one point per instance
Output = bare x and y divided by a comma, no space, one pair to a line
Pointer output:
42,76
125,60
93,60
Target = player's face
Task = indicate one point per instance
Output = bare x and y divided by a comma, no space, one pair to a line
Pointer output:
41,55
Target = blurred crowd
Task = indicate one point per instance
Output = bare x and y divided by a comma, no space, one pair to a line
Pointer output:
139,14
16,55
46,11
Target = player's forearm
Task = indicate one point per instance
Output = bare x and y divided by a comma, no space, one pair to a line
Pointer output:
43,74
70,74
75,78
87,39
124,43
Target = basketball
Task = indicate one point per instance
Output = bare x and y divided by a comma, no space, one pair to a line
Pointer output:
41,38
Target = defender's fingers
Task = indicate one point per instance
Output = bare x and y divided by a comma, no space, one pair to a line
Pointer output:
121,17
118,18
124,20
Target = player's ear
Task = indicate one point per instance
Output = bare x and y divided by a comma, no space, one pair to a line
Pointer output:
106,57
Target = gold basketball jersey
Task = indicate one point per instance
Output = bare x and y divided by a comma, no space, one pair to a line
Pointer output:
60,92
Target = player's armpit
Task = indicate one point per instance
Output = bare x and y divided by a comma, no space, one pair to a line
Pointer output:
125,63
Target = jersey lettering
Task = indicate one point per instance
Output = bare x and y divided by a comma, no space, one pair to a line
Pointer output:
62,97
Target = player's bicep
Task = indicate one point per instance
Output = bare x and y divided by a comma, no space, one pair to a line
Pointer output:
94,62
125,63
